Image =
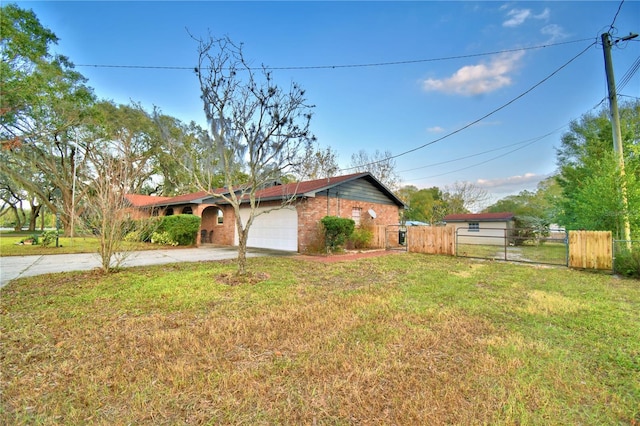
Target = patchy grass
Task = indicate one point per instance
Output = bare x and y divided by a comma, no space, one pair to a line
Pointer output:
404,339
9,246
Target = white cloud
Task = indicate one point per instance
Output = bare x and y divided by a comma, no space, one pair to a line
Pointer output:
518,16
435,129
544,15
511,183
478,79
554,31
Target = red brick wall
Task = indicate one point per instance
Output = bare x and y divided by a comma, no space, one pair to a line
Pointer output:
223,233
312,210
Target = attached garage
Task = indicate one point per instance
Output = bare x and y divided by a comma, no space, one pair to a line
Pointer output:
293,228
275,229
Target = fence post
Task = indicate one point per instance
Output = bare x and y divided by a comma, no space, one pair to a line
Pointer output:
506,243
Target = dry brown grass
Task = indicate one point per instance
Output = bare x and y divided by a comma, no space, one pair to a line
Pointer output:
316,343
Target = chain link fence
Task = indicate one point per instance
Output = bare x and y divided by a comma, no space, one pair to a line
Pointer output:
515,245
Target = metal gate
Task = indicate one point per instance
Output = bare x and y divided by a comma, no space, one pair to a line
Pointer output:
396,237
514,245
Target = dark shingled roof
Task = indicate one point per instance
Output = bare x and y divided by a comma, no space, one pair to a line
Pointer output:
277,192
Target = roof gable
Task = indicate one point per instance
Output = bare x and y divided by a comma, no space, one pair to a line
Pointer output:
312,188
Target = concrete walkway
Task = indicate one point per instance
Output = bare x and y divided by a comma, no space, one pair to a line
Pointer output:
12,267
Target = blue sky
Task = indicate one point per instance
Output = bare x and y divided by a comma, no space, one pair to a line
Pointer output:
443,79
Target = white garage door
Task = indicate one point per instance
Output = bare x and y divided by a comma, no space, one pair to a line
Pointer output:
276,230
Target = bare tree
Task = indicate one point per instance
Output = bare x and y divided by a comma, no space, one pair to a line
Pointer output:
318,164
381,165
464,197
106,212
258,129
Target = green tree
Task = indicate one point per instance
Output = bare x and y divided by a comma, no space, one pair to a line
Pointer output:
44,103
588,174
188,160
424,205
539,204
24,46
135,135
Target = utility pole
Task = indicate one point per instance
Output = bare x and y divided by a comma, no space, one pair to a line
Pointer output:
615,125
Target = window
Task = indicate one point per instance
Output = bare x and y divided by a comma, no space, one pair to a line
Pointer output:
187,210
474,226
355,215
220,217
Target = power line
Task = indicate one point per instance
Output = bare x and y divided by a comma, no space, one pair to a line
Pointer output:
503,106
528,142
531,142
486,161
629,74
314,67
616,16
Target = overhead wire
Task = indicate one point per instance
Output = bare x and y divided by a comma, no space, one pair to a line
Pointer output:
624,81
616,16
527,142
486,161
629,74
338,66
460,129
530,142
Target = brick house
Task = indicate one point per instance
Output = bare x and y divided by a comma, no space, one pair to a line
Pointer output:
359,196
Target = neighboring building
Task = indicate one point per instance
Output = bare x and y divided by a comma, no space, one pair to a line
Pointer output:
481,228
357,196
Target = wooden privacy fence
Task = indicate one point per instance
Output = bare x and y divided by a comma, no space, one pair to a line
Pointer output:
590,249
587,249
431,239
378,240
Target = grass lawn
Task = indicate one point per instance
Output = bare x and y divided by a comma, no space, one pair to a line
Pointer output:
548,253
399,339
9,245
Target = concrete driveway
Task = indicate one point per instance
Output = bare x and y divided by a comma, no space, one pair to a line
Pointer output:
12,267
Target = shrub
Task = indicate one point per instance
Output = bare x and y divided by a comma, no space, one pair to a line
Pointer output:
141,230
134,237
361,238
48,237
146,227
317,244
627,262
337,230
182,228
163,238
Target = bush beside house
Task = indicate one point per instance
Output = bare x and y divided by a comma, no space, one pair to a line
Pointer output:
174,230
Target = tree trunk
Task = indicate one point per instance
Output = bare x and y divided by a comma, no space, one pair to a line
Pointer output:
242,251
35,212
42,218
19,220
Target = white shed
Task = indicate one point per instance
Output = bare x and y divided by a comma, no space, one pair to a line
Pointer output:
481,228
